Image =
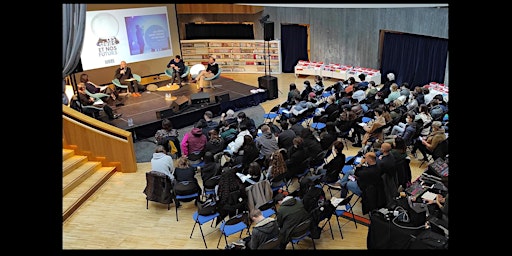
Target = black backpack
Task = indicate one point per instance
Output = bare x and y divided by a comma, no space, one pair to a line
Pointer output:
314,197
207,207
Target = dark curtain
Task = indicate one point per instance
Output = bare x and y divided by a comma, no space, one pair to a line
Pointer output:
294,46
219,31
415,59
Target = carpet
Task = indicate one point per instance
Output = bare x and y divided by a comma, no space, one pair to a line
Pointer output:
145,148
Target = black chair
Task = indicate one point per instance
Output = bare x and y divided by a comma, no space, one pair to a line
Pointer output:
323,213
301,232
272,244
158,189
345,207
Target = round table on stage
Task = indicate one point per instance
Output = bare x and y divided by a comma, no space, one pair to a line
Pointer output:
168,87
196,69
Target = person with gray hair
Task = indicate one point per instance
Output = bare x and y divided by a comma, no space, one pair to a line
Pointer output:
429,143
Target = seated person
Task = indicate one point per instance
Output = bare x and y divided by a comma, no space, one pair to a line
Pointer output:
254,174
123,72
263,230
366,173
178,67
92,88
86,100
161,162
428,145
211,70
193,143
290,213
166,134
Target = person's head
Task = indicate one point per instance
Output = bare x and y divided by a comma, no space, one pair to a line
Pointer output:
378,111
213,134
166,124
177,58
297,141
208,157
331,99
230,113
391,77
371,84
297,99
436,125
399,144
424,109
370,158
256,215
394,87
265,129
242,127
338,146
279,198
211,60
307,84
362,76
183,162
330,127
201,123
123,64
160,149
254,169
418,89
293,120
81,87
409,117
318,79
84,78
248,140
311,95
351,80
284,125
385,148
208,115
241,116
439,98
293,86
425,90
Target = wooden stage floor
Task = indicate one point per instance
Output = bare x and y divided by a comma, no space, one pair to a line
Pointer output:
145,110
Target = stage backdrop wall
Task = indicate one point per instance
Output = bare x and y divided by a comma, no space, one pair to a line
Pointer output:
143,68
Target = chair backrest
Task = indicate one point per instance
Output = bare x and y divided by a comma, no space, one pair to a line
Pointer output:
441,150
270,244
215,76
158,187
137,77
301,230
116,82
186,72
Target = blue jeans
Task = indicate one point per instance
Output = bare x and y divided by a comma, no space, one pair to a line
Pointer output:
349,184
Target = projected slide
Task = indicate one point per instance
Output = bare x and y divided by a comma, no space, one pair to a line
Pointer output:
131,35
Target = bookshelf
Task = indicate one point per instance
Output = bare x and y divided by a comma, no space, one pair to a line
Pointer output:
234,56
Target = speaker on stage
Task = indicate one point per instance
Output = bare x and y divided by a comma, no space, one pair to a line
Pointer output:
268,30
222,98
179,104
268,83
200,98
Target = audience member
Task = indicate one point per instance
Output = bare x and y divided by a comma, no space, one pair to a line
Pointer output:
296,156
249,123
229,116
210,124
292,94
230,191
426,117
214,144
363,85
253,175
333,163
307,89
234,146
193,143
263,230
166,134
429,144
290,213
161,162
365,174
277,166
328,136
266,142
247,153
285,138
210,168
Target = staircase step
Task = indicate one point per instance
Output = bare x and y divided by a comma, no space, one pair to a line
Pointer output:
78,175
79,194
67,153
72,163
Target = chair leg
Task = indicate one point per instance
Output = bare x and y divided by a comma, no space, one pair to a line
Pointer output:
147,204
176,212
339,226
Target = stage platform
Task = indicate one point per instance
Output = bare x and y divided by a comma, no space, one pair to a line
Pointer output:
148,110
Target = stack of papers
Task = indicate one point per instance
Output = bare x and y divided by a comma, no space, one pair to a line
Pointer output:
98,102
336,201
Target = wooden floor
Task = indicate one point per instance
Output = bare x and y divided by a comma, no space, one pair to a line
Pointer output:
115,217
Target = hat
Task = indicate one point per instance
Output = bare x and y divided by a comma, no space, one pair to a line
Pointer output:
437,124
312,94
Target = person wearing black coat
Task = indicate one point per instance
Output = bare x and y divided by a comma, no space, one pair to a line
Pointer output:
290,213
296,155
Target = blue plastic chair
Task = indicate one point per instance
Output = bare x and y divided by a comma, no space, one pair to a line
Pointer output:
348,208
201,219
185,198
213,78
232,226
318,126
272,114
366,119
118,84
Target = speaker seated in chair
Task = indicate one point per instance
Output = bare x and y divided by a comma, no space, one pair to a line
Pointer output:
211,79
211,73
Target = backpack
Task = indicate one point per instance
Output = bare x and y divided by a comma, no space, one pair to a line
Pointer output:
207,207
313,198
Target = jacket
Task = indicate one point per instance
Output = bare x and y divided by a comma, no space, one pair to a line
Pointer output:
193,141
158,188
263,231
258,194
290,214
267,144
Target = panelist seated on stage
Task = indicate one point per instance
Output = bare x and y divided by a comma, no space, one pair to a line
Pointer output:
86,100
178,67
211,70
110,90
125,76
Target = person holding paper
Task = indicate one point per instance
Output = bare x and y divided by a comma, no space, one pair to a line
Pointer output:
125,77
86,100
333,162
107,89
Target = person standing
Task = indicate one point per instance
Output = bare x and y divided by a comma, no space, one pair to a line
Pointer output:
139,31
211,70
178,67
124,72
